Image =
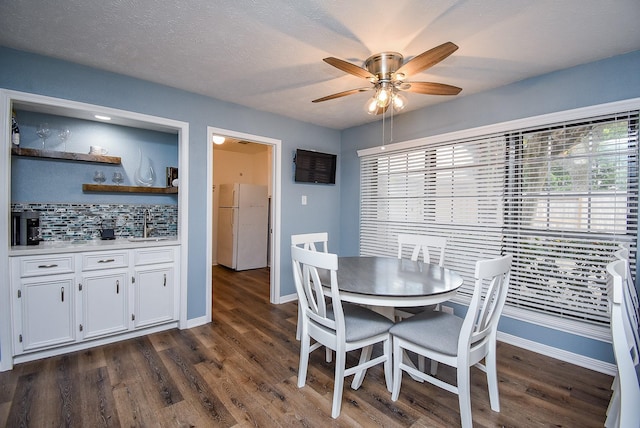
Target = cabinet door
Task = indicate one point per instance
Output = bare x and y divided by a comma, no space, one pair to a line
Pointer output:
104,303
47,306
154,295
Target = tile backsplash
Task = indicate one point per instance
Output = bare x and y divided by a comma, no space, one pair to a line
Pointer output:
71,222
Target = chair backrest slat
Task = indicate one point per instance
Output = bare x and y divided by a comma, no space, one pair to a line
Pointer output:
421,243
311,241
311,270
487,302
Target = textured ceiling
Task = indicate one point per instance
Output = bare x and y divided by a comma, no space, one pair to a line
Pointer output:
268,54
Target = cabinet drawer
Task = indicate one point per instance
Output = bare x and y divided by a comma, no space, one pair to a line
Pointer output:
148,256
46,265
105,260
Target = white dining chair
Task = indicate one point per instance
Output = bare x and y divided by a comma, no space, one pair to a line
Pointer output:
417,244
311,241
316,241
458,342
341,327
624,408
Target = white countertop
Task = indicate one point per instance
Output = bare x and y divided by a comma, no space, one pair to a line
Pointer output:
57,247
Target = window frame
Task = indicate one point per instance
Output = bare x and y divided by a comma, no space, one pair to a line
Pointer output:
506,129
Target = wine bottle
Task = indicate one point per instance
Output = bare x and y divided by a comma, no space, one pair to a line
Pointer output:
15,131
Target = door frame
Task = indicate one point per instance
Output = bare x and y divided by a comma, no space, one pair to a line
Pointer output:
276,161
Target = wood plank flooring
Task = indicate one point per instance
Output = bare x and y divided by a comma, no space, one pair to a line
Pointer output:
241,371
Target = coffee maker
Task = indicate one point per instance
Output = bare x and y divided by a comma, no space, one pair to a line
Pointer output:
30,228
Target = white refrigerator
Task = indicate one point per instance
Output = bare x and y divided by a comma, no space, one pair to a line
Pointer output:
243,226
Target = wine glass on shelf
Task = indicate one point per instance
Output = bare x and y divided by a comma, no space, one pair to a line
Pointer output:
64,136
117,178
43,132
99,177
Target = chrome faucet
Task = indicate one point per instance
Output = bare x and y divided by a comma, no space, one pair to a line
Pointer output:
146,229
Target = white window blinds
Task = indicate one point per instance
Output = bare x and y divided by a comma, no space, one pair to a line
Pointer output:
559,197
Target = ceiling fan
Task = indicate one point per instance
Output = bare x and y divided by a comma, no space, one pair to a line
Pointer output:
388,72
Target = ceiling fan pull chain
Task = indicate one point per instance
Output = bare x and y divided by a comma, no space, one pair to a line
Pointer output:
384,113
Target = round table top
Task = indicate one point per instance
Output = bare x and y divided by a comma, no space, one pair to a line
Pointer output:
395,279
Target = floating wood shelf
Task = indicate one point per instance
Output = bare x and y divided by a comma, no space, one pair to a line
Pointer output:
127,189
52,154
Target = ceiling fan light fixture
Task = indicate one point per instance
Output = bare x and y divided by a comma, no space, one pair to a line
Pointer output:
371,106
399,102
383,97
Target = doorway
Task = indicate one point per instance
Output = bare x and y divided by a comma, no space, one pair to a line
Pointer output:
239,144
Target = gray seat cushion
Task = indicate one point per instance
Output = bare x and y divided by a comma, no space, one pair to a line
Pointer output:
361,322
434,330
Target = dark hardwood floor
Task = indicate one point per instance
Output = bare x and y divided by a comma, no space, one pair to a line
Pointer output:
241,370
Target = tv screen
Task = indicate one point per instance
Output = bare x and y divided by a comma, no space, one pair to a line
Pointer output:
315,167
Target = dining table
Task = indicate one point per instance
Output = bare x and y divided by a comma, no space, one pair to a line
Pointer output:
386,282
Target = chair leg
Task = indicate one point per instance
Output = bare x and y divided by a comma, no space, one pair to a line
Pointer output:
338,384
434,367
421,363
328,354
365,355
397,373
304,360
464,396
388,364
492,380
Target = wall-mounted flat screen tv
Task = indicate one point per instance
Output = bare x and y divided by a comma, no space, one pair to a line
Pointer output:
315,167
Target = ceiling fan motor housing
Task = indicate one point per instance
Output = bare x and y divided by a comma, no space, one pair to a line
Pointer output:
384,65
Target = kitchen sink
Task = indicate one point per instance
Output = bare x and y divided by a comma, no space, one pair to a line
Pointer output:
153,239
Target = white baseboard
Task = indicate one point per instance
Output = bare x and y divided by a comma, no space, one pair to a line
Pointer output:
559,354
196,322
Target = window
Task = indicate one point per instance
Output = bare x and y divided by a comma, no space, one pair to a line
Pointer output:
560,197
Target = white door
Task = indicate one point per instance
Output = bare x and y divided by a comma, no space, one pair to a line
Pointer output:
227,236
104,304
154,292
47,312
253,224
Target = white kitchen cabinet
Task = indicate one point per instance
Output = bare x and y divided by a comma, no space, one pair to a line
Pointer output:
154,286
68,301
104,304
47,312
43,302
104,293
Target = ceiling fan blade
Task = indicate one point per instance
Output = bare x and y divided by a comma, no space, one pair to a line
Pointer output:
349,68
430,88
341,94
427,59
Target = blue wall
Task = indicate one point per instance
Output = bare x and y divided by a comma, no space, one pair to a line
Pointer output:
330,208
609,80
41,180
26,72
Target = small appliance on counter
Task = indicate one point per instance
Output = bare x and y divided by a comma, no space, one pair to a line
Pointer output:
30,228
107,229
